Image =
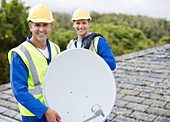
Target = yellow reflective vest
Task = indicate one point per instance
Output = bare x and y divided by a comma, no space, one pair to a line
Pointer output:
37,65
93,45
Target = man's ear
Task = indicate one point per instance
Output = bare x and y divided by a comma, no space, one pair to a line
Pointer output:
30,26
89,24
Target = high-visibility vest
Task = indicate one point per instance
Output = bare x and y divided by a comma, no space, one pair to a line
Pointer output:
93,45
37,65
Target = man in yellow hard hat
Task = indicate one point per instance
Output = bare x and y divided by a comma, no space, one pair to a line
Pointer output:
92,41
28,63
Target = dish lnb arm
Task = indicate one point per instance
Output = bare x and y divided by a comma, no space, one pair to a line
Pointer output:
96,109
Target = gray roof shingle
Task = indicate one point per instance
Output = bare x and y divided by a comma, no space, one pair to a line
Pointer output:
143,89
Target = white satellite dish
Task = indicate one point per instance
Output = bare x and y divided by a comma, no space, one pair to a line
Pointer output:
79,86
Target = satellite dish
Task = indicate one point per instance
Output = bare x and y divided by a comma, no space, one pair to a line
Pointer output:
79,86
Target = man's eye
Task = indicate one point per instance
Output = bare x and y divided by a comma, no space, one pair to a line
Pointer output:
45,25
37,25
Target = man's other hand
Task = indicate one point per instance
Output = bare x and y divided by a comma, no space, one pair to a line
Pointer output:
51,115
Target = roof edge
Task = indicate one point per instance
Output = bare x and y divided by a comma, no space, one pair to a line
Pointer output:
142,52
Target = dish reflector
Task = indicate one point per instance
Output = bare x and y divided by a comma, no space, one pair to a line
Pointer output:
79,86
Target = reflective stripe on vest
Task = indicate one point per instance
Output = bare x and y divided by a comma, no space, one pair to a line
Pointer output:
30,55
93,45
57,48
38,89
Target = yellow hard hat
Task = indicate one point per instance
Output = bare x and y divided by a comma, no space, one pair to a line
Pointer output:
40,13
80,13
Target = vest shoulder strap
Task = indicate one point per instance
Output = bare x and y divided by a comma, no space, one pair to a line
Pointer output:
70,44
57,48
90,39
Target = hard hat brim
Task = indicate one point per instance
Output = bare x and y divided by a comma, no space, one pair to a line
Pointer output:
40,20
81,18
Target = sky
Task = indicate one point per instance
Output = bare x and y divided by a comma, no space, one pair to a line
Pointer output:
150,8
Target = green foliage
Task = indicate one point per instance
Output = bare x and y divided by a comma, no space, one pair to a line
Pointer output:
122,39
60,36
4,68
13,31
153,29
128,32
13,27
3,3
64,20
164,40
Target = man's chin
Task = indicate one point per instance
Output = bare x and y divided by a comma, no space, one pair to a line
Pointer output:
81,34
41,39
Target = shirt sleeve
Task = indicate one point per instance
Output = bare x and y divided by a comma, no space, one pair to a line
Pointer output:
105,52
18,78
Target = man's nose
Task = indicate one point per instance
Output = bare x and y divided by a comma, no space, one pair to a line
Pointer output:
41,28
81,25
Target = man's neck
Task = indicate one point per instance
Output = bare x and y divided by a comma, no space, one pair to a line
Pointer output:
80,38
39,44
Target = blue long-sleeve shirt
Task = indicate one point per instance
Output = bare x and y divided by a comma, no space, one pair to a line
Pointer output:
104,51
18,78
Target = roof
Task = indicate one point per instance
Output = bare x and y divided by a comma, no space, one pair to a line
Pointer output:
142,85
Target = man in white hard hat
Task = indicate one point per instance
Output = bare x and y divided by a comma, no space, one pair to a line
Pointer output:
92,41
28,63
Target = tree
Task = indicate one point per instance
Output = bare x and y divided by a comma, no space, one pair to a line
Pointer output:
64,20
13,27
153,29
122,39
13,30
164,40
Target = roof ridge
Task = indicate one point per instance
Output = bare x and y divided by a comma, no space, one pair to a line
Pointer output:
142,52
